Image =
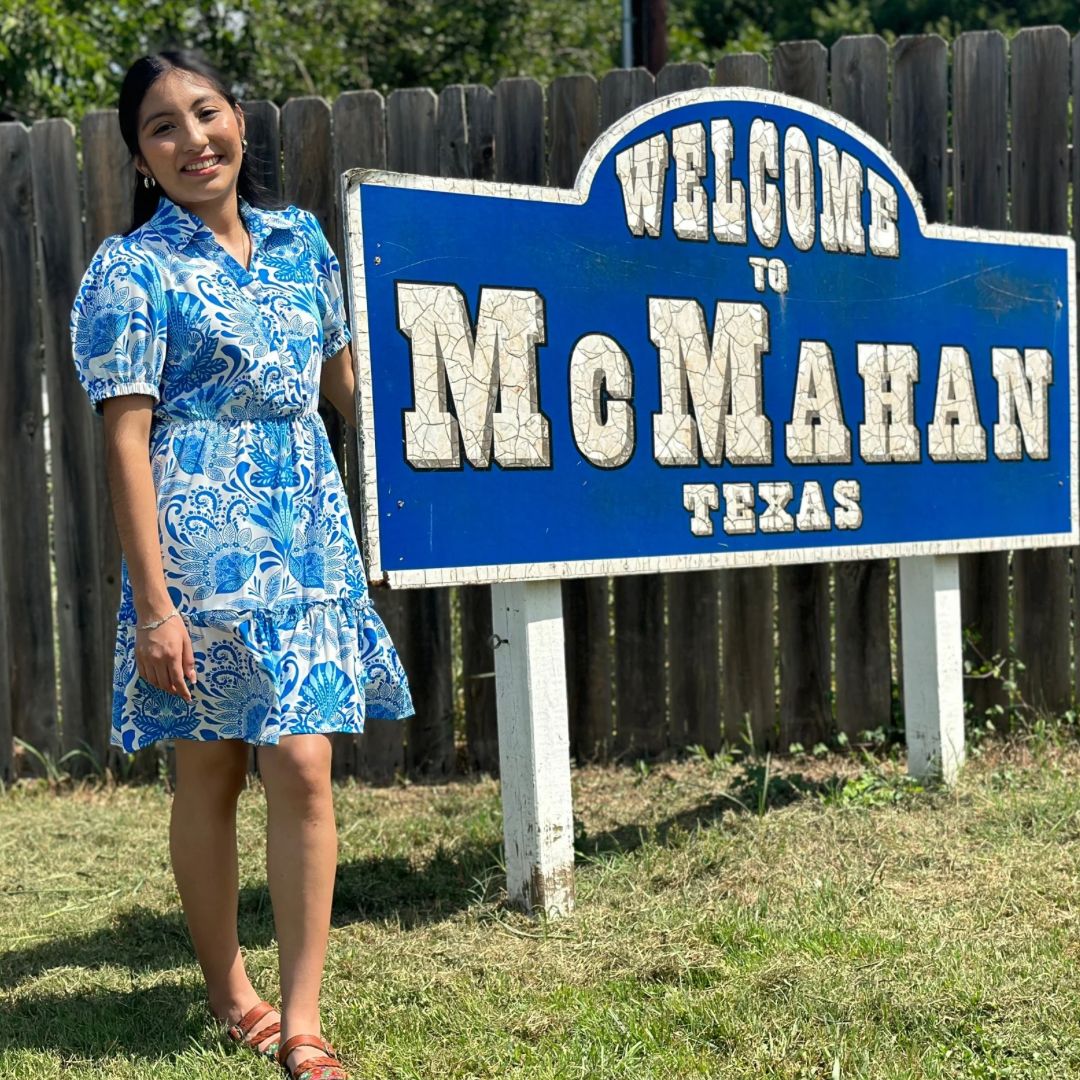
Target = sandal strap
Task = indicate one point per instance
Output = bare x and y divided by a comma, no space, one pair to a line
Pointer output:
316,1041
319,1068
257,1037
250,1019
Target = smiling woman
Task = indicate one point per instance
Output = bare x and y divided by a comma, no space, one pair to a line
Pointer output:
205,336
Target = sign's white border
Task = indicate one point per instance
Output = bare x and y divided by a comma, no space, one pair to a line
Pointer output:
352,194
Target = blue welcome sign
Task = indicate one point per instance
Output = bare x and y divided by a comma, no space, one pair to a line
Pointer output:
735,342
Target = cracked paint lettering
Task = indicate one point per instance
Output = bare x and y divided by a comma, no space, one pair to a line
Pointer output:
889,373
601,379
721,376
1023,420
765,212
817,432
448,361
955,433
690,209
642,169
729,206
841,200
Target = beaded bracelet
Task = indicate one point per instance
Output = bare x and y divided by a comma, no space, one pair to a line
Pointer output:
155,625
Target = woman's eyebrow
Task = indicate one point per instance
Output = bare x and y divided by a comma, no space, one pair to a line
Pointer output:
168,112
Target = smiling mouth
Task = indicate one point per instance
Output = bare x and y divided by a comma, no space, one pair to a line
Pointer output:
205,165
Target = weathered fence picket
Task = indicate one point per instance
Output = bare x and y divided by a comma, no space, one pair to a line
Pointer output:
24,503
863,660
573,124
85,653
748,601
1040,184
980,184
653,663
800,68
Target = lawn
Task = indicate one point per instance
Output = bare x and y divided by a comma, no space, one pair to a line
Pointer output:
731,922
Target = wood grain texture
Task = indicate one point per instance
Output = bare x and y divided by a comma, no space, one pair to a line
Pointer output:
108,191
85,655
466,133
981,198
693,644
800,68
573,123
412,146
749,642
860,93
412,131
860,83
920,117
358,120
262,129
622,91
573,112
24,505
749,659
519,131
743,69
676,77
640,690
693,630
1040,175
7,746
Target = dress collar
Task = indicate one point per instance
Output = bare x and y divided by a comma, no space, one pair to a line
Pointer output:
180,227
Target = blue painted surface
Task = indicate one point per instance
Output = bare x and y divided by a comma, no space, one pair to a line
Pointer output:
596,277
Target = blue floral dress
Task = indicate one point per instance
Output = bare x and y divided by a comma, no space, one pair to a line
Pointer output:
257,541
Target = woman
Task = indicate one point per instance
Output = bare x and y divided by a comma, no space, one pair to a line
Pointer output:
204,336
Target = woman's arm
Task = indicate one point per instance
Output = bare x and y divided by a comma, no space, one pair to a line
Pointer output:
338,384
163,656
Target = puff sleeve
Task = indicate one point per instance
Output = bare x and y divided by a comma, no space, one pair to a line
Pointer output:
119,333
329,295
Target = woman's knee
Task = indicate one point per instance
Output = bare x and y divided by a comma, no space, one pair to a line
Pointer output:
212,771
297,769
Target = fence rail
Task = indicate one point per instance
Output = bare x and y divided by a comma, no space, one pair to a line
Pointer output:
655,662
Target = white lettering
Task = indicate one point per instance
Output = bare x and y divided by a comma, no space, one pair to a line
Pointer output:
817,432
739,516
1023,416
841,200
598,365
955,432
501,358
848,514
889,372
884,208
641,170
722,378
799,188
765,210
729,206
699,499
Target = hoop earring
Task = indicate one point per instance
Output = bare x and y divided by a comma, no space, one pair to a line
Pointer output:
243,144
149,181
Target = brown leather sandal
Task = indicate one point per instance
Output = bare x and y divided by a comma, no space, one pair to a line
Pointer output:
242,1031
315,1068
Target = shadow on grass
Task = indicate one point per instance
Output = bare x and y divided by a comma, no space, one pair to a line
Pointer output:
148,1023
366,890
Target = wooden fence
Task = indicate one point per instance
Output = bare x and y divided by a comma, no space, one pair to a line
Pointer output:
654,662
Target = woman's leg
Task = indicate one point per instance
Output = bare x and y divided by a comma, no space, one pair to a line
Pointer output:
202,839
301,861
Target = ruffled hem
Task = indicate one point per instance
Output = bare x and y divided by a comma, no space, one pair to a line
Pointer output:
310,667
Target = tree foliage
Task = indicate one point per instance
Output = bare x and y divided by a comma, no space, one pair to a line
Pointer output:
63,57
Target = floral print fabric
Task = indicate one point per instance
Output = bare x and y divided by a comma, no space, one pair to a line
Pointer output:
257,542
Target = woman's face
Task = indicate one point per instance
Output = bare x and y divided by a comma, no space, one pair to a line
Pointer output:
184,122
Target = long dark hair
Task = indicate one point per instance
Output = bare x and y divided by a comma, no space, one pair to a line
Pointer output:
139,78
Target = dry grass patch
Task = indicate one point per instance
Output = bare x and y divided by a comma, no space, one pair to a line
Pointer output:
814,919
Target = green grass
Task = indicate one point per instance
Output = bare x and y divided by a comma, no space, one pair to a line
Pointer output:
731,922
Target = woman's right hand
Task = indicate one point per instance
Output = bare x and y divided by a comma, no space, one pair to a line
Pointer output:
164,656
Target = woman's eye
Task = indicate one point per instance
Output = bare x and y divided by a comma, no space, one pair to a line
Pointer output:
207,113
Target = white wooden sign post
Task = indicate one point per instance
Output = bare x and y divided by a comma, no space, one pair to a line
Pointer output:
933,658
736,342
534,745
